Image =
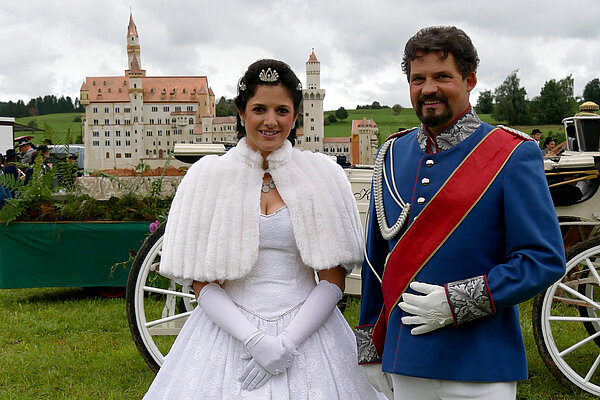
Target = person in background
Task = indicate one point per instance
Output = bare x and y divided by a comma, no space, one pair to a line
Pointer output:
535,135
26,150
248,230
11,170
549,144
462,222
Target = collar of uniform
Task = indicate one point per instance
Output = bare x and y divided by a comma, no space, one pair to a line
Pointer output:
461,129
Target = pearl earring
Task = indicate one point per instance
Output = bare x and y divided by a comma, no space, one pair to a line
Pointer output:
242,122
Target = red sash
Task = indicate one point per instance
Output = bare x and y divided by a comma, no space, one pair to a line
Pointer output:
436,222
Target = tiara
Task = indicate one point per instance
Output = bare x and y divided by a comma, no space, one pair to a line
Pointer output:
299,87
242,86
268,76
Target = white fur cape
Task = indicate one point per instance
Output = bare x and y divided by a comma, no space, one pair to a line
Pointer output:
212,229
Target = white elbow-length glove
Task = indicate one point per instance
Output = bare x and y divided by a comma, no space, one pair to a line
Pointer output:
430,311
269,352
312,314
380,380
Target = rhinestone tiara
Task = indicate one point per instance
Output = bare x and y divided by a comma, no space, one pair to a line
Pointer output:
269,75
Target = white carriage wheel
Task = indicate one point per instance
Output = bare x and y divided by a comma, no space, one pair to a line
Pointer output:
143,294
566,320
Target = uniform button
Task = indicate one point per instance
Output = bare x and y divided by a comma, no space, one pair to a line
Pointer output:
421,200
429,163
425,181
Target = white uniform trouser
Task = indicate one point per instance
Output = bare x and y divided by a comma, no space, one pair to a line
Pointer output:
409,388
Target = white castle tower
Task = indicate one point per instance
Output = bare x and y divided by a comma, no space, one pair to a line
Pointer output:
313,106
136,91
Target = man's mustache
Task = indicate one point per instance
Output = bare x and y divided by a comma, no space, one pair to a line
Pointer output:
434,97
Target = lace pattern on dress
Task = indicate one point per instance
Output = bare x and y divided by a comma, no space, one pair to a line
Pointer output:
367,354
469,299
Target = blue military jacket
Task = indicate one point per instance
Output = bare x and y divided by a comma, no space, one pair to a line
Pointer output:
511,236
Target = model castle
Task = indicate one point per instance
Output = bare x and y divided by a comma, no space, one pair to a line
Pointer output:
137,118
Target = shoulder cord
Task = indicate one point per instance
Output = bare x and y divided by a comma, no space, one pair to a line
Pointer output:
379,175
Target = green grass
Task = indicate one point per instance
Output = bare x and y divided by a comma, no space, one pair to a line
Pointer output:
60,125
67,343
386,120
389,123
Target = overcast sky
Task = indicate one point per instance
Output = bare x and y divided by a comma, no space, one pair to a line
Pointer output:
49,47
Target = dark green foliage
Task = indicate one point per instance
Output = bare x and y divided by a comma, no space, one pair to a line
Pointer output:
49,104
341,113
331,118
555,101
50,197
225,107
592,91
511,105
485,102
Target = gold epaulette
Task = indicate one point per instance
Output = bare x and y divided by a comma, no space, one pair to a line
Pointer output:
400,133
515,132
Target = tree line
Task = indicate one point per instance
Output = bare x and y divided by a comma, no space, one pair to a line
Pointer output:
556,101
48,104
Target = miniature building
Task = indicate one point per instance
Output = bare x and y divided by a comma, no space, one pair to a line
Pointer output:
137,118
337,146
313,95
364,141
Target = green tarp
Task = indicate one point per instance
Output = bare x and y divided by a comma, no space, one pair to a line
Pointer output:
77,254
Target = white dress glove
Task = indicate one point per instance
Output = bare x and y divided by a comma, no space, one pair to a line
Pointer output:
254,375
380,380
430,312
219,307
314,312
272,353
269,351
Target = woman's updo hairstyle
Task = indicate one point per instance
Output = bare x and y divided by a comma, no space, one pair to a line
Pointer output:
267,72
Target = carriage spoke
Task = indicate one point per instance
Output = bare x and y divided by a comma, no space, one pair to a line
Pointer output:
592,370
579,295
170,292
167,319
578,344
592,269
574,319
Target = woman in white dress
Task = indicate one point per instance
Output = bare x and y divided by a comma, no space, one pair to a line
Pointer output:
249,229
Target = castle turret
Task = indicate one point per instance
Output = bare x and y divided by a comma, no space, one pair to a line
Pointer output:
133,43
84,94
313,106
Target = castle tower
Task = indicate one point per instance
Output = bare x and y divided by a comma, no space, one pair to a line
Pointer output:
136,92
133,43
313,106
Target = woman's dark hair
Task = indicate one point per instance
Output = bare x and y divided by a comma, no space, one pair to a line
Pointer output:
548,140
445,39
249,83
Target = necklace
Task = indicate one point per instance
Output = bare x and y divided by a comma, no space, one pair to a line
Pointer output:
267,186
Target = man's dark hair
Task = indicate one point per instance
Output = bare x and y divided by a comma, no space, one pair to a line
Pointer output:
445,39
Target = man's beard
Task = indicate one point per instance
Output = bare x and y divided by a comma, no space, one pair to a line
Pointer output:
430,120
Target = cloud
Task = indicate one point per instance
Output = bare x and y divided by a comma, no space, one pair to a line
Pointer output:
359,43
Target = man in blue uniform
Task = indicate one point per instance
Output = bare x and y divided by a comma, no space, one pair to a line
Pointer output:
461,229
